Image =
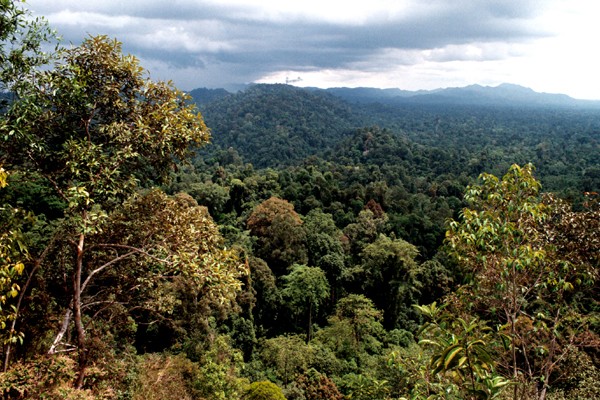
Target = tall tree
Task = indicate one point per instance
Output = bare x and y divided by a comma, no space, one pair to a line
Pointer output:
514,256
324,245
21,39
389,275
94,127
281,236
306,288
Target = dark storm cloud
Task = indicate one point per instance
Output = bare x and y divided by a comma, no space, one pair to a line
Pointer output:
205,43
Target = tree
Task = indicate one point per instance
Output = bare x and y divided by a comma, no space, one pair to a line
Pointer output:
360,314
324,245
364,231
13,254
281,236
515,257
306,288
462,351
389,274
149,250
289,356
94,127
263,390
21,37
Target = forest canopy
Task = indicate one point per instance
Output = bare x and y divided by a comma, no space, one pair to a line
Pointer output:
284,243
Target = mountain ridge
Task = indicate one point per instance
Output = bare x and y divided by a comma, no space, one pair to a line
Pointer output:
505,94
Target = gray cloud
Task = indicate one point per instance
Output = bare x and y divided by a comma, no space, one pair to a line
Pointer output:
208,43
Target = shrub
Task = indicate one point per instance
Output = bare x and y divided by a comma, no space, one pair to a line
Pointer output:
263,390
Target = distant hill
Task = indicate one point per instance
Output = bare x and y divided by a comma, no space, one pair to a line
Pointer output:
278,124
502,95
204,96
471,129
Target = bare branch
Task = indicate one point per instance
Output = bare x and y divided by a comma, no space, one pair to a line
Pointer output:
63,330
104,266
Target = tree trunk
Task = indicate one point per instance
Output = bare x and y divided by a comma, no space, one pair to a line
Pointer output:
77,314
513,330
309,328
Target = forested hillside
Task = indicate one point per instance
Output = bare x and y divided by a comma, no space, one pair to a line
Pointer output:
285,243
299,123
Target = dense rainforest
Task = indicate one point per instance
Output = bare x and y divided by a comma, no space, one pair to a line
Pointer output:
287,243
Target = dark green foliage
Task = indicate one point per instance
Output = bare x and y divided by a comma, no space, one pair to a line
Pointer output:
295,121
305,290
280,235
338,212
389,274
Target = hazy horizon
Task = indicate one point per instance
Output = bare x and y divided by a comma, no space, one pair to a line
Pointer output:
545,45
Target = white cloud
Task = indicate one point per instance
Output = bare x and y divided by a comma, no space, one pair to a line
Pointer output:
548,45
92,19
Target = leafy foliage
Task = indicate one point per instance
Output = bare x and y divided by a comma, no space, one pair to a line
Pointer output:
13,254
281,237
462,350
517,277
306,288
294,219
263,390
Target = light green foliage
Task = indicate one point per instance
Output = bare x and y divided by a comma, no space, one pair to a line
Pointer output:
352,342
13,254
288,356
305,289
263,390
218,372
364,387
93,127
499,228
21,39
409,373
324,245
365,230
161,239
515,259
462,353
581,377
498,244
360,314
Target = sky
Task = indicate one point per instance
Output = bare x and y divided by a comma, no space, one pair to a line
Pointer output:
547,45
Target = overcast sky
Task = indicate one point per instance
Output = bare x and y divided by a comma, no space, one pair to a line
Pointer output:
547,45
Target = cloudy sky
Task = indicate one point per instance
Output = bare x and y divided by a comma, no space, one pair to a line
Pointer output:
548,45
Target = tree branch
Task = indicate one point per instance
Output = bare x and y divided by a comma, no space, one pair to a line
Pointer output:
103,267
63,330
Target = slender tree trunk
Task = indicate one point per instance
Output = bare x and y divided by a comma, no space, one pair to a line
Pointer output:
77,313
13,325
309,328
513,316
